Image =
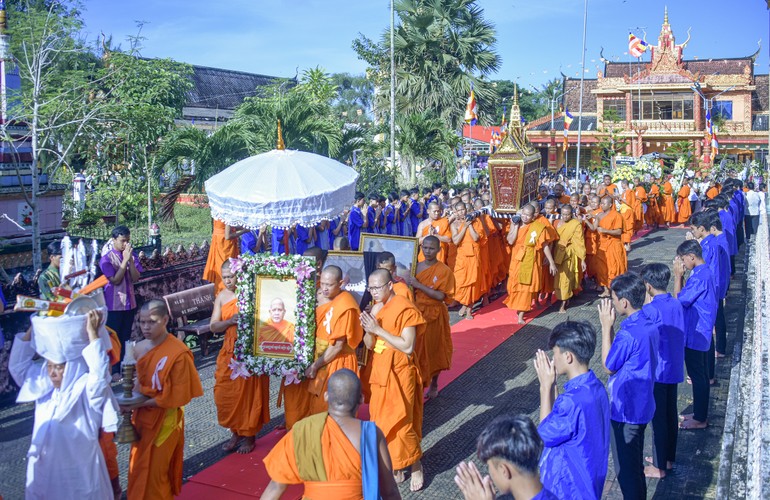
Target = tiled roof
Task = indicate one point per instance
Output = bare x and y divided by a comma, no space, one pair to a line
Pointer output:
759,98
589,123
216,88
572,98
703,66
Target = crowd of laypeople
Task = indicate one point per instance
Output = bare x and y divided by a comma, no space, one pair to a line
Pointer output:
568,241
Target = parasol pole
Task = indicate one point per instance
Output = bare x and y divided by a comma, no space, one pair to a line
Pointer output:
280,144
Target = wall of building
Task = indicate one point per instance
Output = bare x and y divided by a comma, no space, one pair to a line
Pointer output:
17,209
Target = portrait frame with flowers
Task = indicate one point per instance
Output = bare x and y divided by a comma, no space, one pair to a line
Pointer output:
249,270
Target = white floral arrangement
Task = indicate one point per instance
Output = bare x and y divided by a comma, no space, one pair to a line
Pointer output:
623,172
288,267
648,170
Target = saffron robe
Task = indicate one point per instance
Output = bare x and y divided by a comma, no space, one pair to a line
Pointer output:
591,240
243,404
641,199
627,214
438,335
497,261
442,229
336,321
166,373
570,251
552,236
683,204
611,256
525,271
394,382
668,210
653,215
712,192
603,190
107,439
341,463
482,259
220,250
466,270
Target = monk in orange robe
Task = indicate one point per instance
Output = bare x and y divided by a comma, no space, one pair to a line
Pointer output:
485,269
107,439
337,335
628,212
225,244
498,268
323,452
611,254
386,260
591,237
243,402
549,216
530,242
641,200
668,210
434,286
569,256
437,226
276,329
607,188
683,203
390,332
166,374
712,191
466,268
653,215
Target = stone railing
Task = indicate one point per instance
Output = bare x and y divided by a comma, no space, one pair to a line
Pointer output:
168,272
665,125
744,469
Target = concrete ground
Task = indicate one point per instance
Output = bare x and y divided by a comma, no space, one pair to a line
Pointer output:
503,382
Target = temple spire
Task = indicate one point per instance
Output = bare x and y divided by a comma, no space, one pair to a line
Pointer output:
515,120
665,15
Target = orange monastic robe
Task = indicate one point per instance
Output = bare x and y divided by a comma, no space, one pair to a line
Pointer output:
683,204
438,335
641,198
441,225
712,192
653,215
570,251
243,404
611,256
339,320
341,463
107,439
603,190
467,271
167,374
627,214
524,273
220,250
485,270
552,236
402,289
668,209
591,240
395,385
497,260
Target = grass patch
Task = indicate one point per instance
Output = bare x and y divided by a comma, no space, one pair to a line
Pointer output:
194,226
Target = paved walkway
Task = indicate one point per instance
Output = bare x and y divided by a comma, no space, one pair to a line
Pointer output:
503,382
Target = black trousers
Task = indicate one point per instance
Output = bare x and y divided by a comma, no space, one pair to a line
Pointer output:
665,424
739,233
721,328
627,442
697,370
751,223
122,322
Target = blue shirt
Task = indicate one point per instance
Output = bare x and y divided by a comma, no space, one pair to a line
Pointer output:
576,435
633,357
278,248
389,215
670,366
355,221
719,262
728,227
248,243
300,243
371,215
698,297
414,210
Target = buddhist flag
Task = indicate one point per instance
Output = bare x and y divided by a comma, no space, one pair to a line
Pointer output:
503,123
636,46
471,108
714,145
567,122
709,125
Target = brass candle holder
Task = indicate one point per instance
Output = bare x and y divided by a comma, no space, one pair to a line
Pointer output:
126,431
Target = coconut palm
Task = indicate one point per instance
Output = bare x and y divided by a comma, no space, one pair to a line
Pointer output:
422,139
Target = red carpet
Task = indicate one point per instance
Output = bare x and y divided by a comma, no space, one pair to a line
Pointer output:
237,477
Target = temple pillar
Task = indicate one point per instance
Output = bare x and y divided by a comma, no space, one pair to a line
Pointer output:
552,163
629,110
697,109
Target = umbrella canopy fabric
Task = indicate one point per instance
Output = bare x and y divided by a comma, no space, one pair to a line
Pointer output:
280,188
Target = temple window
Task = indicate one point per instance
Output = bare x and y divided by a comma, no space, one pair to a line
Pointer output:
663,106
723,109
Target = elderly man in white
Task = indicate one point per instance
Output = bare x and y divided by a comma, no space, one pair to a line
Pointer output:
70,385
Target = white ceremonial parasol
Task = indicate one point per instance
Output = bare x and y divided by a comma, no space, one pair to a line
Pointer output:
280,188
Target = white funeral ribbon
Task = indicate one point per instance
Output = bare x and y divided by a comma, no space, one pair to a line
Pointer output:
155,378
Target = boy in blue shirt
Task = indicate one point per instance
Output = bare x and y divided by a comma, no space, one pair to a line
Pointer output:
575,426
669,372
630,357
511,448
698,298
720,327
357,222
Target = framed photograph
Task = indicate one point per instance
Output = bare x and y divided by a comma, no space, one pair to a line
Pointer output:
276,315
353,272
404,248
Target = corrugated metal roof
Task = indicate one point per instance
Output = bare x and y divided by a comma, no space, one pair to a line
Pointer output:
216,88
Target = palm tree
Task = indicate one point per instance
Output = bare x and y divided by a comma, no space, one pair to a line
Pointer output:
424,138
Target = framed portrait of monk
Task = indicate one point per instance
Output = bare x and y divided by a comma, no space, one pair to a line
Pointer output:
353,272
275,319
403,248
276,297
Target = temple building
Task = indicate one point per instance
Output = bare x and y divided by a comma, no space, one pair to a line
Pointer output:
654,104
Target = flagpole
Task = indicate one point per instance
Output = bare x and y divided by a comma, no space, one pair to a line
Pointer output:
392,87
582,80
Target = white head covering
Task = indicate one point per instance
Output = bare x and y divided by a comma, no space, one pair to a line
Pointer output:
63,338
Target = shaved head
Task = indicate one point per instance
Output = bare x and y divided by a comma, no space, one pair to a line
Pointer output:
332,272
343,392
381,275
528,208
318,254
432,239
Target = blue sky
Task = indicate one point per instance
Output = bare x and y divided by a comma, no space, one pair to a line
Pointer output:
536,38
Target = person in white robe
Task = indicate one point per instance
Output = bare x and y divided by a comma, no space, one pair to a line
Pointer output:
70,385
